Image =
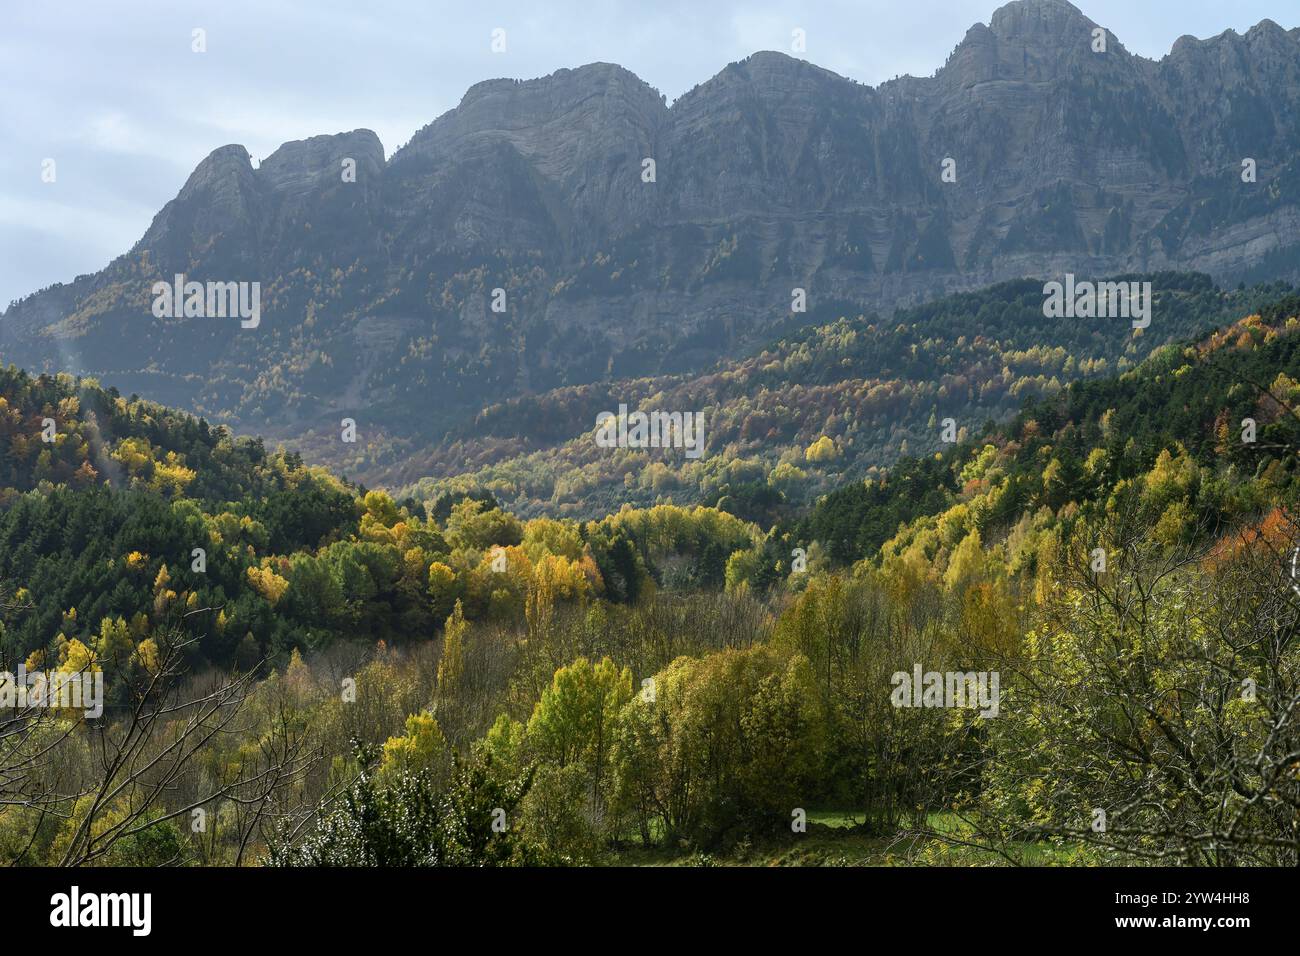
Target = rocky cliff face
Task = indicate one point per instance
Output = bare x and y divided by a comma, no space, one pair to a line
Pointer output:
771,175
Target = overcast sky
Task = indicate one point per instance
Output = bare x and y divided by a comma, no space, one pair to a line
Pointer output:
111,90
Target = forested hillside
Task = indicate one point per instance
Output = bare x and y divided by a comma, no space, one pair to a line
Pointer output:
106,515
349,678
1180,413
841,399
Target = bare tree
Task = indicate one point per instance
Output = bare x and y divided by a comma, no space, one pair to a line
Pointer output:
106,779
1154,715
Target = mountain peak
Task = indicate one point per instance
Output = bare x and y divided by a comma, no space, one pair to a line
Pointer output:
224,168
1266,35
299,164
770,74
772,60
219,199
775,65
525,113
221,162
589,78
1027,19
1026,40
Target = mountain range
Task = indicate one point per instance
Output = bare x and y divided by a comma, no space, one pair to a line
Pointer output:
377,294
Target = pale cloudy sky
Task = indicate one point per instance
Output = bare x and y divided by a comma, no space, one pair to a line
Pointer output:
111,90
